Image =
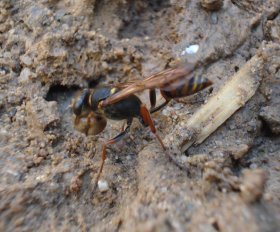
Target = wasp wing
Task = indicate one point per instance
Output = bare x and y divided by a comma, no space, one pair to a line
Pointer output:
124,85
157,80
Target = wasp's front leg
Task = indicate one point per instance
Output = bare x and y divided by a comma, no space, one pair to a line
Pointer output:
91,124
116,139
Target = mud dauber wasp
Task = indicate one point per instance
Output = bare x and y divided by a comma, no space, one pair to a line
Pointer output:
119,102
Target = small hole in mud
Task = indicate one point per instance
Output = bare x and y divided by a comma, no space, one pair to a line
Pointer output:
187,154
266,130
93,83
63,95
56,91
211,90
157,5
236,68
216,225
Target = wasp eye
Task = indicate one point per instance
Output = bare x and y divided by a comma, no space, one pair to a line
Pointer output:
80,102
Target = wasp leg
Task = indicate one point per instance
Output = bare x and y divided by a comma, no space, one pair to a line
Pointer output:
155,109
147,120
88,122
122,129
153,98
116,139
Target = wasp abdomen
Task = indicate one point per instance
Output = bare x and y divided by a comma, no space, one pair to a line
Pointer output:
183,88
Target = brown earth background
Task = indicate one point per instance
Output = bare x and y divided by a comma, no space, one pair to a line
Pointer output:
52,49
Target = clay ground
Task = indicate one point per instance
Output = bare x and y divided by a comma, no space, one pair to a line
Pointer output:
52,49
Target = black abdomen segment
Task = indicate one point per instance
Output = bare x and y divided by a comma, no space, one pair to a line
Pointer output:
128,107
124,109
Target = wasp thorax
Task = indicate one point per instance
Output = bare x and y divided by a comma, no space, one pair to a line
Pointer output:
90,125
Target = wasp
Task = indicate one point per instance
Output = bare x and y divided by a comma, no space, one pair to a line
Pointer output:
119,102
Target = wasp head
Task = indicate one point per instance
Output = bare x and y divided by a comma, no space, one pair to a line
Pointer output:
80,105
85,120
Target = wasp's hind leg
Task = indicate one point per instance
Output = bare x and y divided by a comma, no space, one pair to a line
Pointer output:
116,139
155,109
148,121
153,100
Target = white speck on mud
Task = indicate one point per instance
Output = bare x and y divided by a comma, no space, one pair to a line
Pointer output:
192,49
103,186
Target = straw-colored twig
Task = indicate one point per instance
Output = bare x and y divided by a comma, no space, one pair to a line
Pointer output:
233,95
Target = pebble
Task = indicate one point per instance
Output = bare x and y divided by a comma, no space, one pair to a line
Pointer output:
25,75
59,14
165,112
41,113
268,197
2,72
219,143
25,59
119,52
192,49
184,158
4,136
253,184
103,186
253,166
38,16
239,151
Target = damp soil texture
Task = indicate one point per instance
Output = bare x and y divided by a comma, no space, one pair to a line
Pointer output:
50,50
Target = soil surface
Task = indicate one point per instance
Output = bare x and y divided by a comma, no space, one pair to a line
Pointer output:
50,50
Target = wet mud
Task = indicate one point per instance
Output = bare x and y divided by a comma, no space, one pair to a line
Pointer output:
51,50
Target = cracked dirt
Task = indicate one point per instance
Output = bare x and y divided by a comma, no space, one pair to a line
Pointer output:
50,50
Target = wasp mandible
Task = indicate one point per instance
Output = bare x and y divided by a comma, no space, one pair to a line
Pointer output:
119,102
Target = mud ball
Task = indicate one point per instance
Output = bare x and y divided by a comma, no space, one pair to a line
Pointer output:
90,124
212,5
